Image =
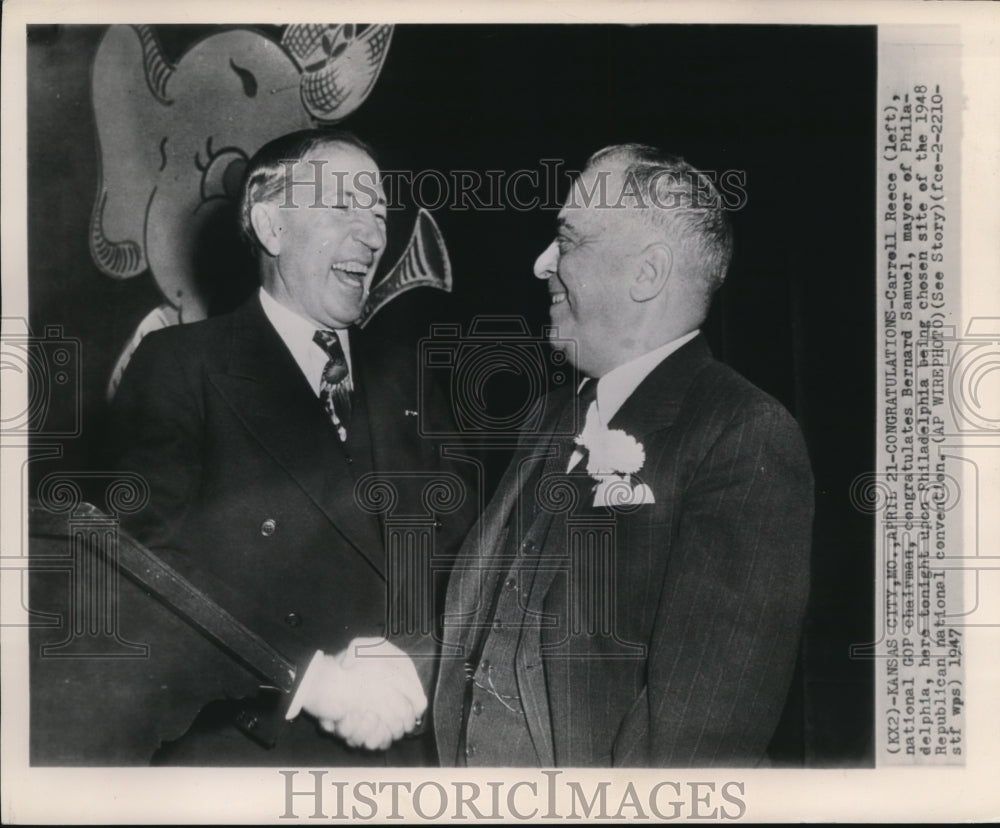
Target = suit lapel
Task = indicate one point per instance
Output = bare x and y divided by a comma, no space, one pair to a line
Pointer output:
530,679
266,389
472,582
474,577
366,412
387,442
555,465
386,388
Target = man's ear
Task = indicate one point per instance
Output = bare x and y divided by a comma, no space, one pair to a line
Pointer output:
656,262
265,221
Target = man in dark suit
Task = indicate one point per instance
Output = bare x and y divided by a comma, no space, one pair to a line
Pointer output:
634,597
258,433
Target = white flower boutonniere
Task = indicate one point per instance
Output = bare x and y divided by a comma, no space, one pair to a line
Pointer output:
613,456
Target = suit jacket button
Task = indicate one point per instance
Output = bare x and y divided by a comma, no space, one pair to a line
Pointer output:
528,546
477,707
293,619
268,526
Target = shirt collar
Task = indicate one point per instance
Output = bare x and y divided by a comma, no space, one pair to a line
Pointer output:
297,333
617,385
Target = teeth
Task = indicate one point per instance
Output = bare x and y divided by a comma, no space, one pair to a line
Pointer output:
351,267
557,298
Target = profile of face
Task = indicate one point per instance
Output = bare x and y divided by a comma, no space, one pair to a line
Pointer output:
589,266
324,235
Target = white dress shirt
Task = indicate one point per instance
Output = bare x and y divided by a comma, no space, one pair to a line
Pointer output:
297,334
617,385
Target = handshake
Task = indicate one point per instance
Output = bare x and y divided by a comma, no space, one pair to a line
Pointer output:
368,694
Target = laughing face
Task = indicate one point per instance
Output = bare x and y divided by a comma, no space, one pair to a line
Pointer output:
587,267
326,236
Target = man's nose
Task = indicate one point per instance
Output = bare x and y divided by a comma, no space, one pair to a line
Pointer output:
546,263
371,231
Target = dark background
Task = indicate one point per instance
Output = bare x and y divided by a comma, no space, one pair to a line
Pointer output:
791,106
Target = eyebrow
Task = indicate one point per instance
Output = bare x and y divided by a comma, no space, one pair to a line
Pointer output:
564,224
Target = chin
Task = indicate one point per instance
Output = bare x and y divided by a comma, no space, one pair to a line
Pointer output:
345,315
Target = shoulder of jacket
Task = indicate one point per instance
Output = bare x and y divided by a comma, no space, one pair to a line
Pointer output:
191,339
732,396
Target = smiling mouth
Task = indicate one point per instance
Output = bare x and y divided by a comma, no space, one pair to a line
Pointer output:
350,273
558,298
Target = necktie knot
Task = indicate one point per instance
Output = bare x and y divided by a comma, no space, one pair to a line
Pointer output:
336,366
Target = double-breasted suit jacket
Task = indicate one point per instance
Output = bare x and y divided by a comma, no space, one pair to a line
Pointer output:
674,646
256,500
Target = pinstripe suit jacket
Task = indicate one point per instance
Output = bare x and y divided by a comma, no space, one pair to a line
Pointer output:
679,648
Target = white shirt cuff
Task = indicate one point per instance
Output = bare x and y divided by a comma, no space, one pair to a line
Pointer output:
302,691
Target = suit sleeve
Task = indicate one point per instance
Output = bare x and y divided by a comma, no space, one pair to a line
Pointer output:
726,635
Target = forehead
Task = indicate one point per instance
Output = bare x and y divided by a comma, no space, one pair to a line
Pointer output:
592,197
340,166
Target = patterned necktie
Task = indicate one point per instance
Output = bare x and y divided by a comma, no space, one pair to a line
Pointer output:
335,387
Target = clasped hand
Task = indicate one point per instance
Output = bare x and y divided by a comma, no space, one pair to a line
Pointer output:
368,694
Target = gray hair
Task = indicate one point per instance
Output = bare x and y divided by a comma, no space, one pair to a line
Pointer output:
686,206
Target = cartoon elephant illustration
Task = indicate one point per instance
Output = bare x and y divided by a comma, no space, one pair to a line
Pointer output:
175,139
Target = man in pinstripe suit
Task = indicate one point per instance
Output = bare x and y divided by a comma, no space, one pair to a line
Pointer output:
634,597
